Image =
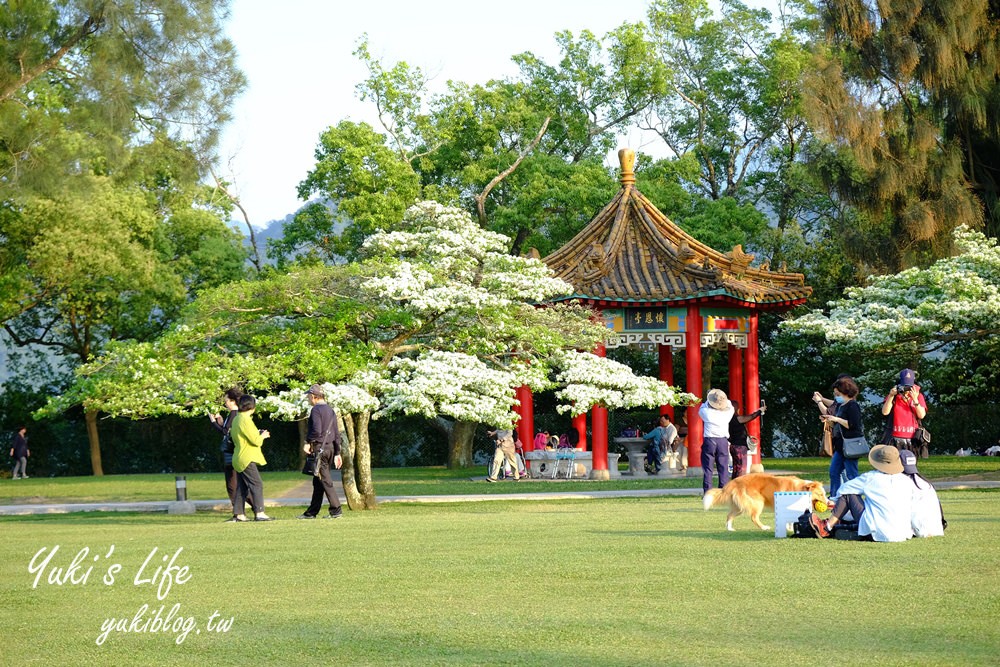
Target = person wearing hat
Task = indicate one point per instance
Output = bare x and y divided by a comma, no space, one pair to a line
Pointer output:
323,440
926,515
879,500
716,413
904,407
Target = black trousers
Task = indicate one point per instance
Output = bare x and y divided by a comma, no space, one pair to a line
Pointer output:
323,486
250,486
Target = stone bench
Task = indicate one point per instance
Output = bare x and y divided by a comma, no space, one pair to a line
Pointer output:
540,463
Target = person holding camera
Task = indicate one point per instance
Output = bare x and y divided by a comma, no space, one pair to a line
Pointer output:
223,426
904,407
323,440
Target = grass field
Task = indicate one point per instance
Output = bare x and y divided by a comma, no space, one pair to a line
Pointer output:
653,581
415,481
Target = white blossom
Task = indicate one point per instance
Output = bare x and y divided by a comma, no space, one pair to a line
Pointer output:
589,380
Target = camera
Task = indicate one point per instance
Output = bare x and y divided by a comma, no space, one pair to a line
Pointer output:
904,388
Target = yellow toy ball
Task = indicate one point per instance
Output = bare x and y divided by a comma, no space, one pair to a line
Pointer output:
820,506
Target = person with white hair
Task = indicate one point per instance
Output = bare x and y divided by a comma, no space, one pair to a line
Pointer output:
716,413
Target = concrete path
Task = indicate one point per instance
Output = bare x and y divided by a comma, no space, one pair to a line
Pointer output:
290,501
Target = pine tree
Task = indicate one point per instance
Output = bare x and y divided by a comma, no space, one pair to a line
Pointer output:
908,95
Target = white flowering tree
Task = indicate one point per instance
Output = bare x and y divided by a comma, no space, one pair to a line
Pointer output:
437,319
586,379
950,311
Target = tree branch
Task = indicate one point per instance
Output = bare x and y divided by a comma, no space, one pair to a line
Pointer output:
89,27
481,197
246,218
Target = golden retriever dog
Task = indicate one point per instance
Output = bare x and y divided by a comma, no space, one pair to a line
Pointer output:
749,494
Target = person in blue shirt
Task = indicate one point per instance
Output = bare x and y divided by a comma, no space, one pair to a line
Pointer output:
661,439
880,500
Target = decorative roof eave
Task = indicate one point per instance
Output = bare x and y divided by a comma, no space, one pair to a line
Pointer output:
718,297
631,253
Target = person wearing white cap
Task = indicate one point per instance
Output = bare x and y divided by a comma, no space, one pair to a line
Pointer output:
880,500
716,413
926,515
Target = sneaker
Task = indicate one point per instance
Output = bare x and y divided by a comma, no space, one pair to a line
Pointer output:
819,525
490,479
306,516
236,519
263,517
334,516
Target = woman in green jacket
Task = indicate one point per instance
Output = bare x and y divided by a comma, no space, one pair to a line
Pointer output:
247,455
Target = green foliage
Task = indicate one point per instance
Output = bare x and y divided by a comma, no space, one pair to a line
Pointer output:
371,184
907,93
81,80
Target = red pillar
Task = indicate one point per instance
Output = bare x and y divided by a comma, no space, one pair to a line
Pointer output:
579,423
666,359
736,377
599,433
526,425
753,381
692,358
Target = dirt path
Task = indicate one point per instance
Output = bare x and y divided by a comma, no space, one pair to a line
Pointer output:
305,489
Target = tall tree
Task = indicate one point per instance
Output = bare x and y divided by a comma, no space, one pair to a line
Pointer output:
907,95
107,110
81,79
106,262
438,319
525,154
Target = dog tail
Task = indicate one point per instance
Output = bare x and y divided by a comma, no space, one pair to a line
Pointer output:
712,497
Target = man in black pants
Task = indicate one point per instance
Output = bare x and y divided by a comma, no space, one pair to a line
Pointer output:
323,439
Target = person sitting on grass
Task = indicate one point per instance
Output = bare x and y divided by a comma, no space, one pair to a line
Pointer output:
926,516
879,500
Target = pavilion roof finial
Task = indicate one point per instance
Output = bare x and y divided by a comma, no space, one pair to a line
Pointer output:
627,158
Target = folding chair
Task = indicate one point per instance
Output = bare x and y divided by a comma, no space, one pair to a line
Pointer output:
567,454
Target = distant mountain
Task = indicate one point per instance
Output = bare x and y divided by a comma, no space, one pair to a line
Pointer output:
275,229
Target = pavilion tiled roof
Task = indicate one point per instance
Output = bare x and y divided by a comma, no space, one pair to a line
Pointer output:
630,253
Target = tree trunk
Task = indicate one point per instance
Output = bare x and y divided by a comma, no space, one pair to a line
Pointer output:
356,471
303,425
460,436
90,417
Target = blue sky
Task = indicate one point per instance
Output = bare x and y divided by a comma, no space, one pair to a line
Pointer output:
297,58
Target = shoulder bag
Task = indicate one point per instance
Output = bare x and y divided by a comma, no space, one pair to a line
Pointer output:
855,448
311,466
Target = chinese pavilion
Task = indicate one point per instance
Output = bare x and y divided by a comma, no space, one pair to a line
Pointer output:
655,285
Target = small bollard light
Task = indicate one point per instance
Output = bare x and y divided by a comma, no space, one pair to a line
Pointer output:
180,481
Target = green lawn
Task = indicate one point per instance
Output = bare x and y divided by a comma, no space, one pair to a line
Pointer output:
411,481
652,581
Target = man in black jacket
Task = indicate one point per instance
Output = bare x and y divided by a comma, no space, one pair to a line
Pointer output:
323,439
20,452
